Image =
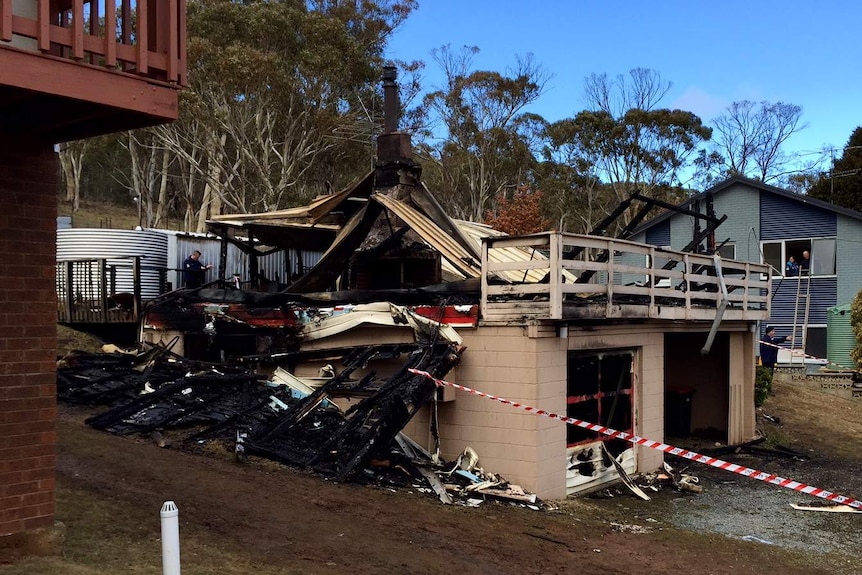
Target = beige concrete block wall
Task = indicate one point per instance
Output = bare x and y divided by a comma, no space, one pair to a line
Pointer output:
522,447
529,449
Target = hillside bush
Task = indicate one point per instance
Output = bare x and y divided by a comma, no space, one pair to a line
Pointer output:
856,324
762,385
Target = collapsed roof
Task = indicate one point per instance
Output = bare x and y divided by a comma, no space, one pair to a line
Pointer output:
350,221
362,218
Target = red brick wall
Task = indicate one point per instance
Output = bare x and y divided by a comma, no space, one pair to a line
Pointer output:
28,341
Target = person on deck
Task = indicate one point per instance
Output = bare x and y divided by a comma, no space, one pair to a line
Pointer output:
769,347
194,272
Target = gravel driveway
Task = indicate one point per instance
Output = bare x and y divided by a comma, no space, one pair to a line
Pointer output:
752,510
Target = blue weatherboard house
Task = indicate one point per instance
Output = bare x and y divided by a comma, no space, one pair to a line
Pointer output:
770,225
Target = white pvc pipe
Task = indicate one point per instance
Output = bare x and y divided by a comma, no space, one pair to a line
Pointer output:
170,538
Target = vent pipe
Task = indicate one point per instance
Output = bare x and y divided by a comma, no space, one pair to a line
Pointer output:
170,538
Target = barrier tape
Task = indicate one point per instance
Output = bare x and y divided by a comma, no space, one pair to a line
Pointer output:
678,451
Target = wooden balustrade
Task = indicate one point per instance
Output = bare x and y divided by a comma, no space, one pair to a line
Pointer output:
613,278
101,291
145,38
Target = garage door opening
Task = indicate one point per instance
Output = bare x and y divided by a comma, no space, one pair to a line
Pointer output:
696,388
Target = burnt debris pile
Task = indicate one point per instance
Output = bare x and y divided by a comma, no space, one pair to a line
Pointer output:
367,429
273,415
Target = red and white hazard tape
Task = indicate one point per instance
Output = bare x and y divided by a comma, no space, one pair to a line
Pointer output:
678,451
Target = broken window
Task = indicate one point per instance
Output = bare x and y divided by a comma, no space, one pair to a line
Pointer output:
599,391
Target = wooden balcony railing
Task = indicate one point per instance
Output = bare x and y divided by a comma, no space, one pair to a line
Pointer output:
146,38
588,277
103,291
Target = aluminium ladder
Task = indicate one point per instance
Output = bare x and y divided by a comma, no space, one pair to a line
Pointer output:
803,301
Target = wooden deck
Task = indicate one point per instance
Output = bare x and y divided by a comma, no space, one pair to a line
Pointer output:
88,291
592,278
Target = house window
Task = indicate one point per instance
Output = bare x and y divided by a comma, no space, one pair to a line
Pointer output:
599,390
823,257
727,252
821,250
773,255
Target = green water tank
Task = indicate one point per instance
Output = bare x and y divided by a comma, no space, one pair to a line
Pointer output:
840,340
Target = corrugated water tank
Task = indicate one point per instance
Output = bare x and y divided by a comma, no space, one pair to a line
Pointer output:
840,339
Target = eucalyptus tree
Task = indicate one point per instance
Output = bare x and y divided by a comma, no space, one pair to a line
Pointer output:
622,142
72,156
842,183
273,86
750,138
479,137
574,194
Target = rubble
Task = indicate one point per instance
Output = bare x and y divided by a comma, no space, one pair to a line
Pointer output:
345,424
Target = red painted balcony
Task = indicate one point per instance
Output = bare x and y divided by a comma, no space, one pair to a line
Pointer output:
71,69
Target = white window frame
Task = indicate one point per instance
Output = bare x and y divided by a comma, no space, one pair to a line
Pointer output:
810,241
731,245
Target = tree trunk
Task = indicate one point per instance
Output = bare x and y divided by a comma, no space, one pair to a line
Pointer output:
72,162
214,162
162,205
137,184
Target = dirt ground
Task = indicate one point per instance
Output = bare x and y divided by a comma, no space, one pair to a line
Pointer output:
265,518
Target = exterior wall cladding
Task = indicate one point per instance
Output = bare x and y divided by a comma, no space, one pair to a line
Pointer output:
784,219
742,206
659,235
28,187
848,255
529,365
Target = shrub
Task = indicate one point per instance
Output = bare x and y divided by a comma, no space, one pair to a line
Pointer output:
856,324
521,214
762,385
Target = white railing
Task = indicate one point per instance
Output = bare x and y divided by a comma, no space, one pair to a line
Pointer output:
594,277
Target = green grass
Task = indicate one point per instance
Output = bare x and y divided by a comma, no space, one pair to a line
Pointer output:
103,536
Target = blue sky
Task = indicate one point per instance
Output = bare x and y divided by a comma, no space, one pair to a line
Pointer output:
804,53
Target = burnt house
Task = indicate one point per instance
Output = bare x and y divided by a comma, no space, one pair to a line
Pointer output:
652,341
68,70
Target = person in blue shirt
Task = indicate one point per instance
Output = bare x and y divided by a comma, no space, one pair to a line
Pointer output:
791,268
768,349
194,272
